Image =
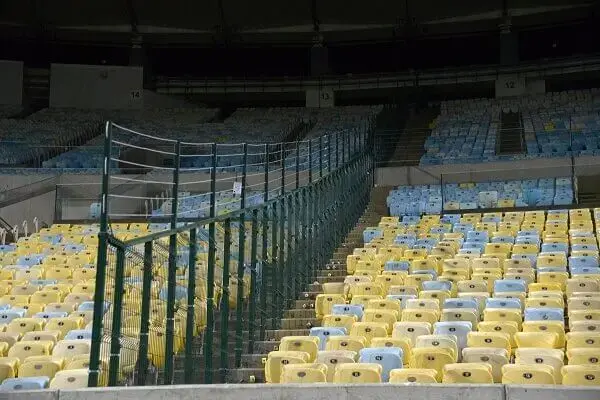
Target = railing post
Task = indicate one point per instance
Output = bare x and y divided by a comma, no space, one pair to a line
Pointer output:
283,249
117,308
101,264
145,316
210,278
297,164
239,312
320,157
266,264
172,275
337,150
253,281
329,145
190,328
310,166
224,367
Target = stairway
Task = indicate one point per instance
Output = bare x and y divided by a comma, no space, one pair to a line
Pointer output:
300,316
36,85
510,137
411,144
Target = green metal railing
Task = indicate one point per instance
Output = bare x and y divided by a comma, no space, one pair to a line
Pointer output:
193,299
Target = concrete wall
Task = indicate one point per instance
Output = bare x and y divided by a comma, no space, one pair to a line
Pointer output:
320,98
11,82
317,392
96,86
502,170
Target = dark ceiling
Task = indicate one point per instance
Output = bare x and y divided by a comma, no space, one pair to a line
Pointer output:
289,21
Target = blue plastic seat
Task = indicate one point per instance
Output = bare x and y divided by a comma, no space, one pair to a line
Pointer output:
388,357
465,303
436,285
583,261
348,309
323,334
585,271
50,315
8,315
79,334
510,285
544,314
371,233
495,302
403,298
397,266
555,247
460,329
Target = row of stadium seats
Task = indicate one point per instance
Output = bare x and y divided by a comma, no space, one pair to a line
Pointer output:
47,283
429,199
474,298
556,124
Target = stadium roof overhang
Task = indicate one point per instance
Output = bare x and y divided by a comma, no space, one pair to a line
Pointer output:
273,21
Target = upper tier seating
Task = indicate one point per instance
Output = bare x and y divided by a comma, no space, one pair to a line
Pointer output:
555,124
513,299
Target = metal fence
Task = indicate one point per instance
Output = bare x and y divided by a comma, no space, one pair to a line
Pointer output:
181,300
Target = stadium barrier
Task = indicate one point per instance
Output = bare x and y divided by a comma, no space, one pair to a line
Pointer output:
214,284
306,392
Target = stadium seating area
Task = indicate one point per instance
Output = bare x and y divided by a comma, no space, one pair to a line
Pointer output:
431,199
46,304
466,131
507,297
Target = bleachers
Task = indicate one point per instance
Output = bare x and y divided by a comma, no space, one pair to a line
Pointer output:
556,124
47,285
506,297
430,199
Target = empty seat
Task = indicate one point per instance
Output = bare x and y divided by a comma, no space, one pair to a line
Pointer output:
70,379
333,358
520,374
304,373
495,357
306,344
276,359
388,357
581,375
467,373
414,375
31,383
358,373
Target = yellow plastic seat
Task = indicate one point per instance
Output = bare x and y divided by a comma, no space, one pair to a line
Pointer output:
307,344
547,326
522,374
468,373
23,325
345,321
67,349
460,314
324,303
499,340
387,317
364,299
384,304
8,367
584,315
421,315
473,286
304,373
348,343
446,342
581,375
423,304
411,330
440,295
358,373
583,303
403,289
70,379
413,375
503,314
24,349
590,340
369,330
51,336
540,302
537,339
9,338
583,356
386,281
333,358
551,357
417,280
277,359
431,358
495,357
64,325
41,367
